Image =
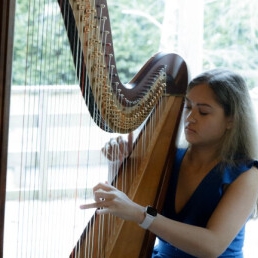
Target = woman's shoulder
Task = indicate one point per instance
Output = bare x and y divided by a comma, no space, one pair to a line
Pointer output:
232,171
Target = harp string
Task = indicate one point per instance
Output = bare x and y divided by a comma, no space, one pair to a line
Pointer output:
99,69
86,78
34,221
50,209
26,175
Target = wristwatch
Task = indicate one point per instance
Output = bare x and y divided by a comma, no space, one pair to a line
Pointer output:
150,215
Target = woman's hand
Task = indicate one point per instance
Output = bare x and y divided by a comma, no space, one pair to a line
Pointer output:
118,148
109,199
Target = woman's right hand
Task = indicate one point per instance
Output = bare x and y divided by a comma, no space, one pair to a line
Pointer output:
109,200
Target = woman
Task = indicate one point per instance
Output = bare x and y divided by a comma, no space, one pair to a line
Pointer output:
214,184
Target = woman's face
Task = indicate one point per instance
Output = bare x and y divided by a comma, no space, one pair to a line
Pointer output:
204,120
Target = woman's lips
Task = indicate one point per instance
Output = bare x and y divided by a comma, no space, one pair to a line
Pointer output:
189,130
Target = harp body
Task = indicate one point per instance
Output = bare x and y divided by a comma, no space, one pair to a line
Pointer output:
156,91
127,239
139,97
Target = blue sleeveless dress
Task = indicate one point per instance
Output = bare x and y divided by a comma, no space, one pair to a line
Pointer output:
200,206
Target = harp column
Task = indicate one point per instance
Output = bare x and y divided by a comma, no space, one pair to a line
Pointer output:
6,50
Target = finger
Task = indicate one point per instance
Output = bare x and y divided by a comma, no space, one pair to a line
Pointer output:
123,146
89,206
104,186
103,211
119,139
106,150
111,150
103,191
113,142
97,205
121,149
100,196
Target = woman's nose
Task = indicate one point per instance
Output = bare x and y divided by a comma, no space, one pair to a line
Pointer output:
191,117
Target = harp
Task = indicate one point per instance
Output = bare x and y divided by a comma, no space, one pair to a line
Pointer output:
153,97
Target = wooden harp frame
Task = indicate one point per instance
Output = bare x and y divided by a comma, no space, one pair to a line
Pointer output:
163,145
6,47
149,187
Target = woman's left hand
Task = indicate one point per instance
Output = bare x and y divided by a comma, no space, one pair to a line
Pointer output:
109,199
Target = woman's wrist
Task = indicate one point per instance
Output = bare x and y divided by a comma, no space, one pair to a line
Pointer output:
140,214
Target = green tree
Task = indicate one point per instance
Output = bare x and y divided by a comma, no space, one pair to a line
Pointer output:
42,53
230,37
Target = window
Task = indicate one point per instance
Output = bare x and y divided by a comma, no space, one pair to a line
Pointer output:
54,145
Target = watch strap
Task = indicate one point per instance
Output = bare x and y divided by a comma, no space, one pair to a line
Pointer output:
150,215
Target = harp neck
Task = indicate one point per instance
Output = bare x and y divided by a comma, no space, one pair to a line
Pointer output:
121,107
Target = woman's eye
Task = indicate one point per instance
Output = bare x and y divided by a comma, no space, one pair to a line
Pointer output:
203,113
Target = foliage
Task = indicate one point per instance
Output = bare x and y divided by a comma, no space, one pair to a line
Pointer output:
230,36
135,33
42,54
41,44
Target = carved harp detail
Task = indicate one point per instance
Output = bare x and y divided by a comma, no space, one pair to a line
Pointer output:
113,105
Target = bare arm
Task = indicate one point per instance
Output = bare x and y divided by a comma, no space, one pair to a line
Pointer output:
230,215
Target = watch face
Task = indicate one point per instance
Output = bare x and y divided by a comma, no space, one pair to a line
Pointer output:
150,210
